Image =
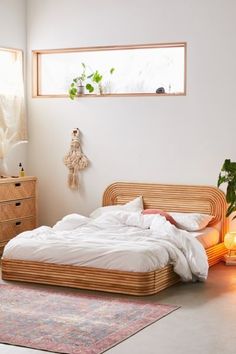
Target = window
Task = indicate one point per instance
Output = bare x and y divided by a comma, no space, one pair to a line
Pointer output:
155,69
12,105
11,72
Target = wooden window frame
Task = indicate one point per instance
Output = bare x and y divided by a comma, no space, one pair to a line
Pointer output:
36,68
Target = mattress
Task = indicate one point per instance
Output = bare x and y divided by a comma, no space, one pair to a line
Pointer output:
117,249
119,242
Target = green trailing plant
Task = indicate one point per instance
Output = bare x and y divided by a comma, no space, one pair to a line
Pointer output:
77,81
96,78
228,175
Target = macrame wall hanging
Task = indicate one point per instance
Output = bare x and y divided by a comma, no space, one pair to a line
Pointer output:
75,160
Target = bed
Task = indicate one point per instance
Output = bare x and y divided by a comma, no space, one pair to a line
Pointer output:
173,198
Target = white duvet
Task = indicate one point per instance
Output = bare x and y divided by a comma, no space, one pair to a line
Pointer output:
116,240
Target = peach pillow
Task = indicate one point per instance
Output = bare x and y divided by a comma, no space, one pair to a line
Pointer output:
162,213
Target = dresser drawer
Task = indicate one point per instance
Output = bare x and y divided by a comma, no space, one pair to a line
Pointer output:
10,229
17,190
17,209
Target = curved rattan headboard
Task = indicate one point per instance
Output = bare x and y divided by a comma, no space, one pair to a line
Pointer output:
180,198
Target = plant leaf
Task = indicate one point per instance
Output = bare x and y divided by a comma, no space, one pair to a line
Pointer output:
72,91
225,165
230,193
231,209
97,77
112,70
229,166
90,88
222,179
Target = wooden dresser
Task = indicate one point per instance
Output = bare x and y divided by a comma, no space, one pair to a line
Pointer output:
17,207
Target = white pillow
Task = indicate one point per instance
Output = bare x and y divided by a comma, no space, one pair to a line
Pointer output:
191,221
134,206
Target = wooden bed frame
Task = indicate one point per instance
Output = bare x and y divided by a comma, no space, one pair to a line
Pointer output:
180,198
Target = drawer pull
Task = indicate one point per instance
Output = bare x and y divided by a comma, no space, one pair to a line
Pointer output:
17,184
18,223
18,204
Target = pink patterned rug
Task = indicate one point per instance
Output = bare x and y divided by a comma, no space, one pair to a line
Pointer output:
71,322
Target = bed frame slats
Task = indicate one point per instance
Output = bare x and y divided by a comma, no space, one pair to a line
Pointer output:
179,198
203,199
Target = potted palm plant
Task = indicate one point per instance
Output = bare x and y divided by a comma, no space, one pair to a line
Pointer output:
228,175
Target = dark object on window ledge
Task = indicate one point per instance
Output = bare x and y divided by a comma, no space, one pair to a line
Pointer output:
160,90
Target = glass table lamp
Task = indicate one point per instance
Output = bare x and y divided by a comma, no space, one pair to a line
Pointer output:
230,244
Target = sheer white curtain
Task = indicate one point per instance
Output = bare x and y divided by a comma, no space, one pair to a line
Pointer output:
12,105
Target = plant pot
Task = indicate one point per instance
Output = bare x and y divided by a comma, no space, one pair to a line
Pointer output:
100,89
80,89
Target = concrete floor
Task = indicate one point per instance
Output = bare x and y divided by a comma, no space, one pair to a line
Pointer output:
205,323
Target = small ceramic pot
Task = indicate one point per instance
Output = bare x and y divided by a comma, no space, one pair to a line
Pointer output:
80,90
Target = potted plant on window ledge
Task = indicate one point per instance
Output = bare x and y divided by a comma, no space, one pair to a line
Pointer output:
77,86
94,84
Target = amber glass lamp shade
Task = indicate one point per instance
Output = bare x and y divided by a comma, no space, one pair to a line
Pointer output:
230,241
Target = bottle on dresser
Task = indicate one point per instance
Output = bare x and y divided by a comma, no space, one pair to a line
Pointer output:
21,170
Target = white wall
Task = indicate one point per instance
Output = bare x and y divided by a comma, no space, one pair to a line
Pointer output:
152,139
13,35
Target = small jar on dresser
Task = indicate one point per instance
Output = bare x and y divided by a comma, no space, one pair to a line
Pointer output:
17,207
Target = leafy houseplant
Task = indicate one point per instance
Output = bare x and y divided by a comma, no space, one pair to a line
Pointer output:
228,175
96,78
77,85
